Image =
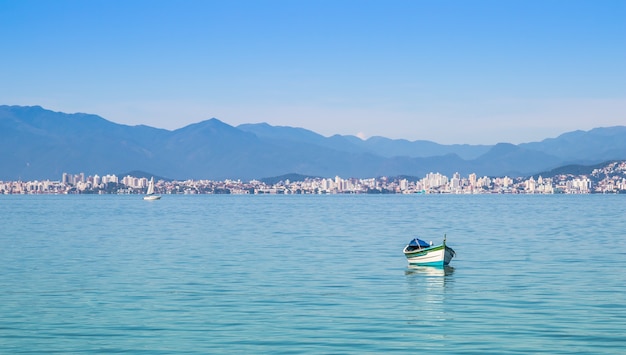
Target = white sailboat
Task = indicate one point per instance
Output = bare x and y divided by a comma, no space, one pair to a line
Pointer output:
150,195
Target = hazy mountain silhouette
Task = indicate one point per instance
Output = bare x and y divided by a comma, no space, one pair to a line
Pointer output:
377,145
36,143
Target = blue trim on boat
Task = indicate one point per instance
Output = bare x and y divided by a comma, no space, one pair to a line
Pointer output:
432,263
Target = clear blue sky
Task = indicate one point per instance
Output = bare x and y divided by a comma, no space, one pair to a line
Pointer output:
477,72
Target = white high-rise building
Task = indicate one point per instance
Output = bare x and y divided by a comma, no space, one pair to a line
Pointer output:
472,179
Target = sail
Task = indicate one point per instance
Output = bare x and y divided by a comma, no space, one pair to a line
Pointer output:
150,187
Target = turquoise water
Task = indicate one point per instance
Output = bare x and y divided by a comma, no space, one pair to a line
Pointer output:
311,274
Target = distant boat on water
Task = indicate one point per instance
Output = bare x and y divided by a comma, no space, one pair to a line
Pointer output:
421,253
150,195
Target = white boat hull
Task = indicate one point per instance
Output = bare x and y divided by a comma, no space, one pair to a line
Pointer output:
151,197
439,255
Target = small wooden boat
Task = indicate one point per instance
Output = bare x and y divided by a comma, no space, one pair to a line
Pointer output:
422,253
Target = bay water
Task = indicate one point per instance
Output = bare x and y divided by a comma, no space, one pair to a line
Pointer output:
309,274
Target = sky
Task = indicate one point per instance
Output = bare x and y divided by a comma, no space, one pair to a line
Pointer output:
452,72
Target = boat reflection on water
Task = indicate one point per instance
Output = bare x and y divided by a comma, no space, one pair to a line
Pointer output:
429,270
428,278
426,297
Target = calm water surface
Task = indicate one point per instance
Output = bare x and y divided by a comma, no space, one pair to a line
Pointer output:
311,274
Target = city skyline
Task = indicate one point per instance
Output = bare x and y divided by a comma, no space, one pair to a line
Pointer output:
609,178
450,72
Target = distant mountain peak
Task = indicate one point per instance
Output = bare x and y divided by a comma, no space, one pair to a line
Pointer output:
211,123
37,143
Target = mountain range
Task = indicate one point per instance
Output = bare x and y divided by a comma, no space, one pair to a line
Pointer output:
36,143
